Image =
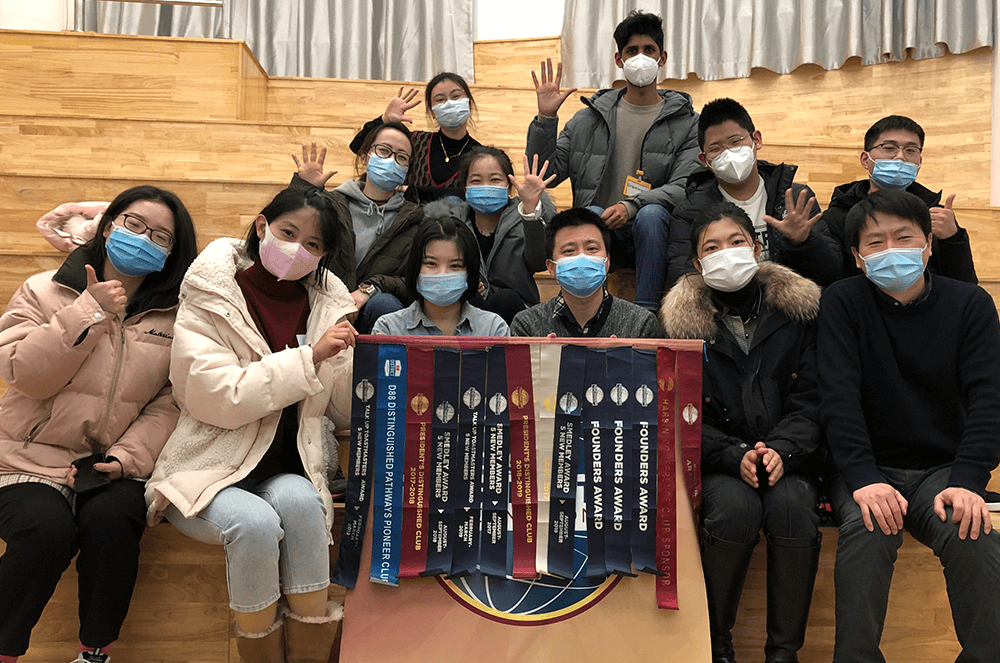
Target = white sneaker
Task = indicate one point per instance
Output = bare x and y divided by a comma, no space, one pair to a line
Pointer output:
92,656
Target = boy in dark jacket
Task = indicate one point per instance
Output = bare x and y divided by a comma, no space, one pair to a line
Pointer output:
910,400
786,219
892,157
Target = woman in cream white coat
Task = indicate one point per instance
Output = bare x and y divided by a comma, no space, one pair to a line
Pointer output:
262,350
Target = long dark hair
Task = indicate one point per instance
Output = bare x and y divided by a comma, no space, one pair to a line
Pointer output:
449,229
156,287
291,200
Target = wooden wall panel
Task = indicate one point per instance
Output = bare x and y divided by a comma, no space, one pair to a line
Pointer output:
253,87
161,77
506,62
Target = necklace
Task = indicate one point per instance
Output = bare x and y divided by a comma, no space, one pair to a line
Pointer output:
447,159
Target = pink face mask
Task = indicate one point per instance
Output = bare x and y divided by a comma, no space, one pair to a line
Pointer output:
289,261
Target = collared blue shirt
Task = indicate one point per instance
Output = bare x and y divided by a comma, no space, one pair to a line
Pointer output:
411,321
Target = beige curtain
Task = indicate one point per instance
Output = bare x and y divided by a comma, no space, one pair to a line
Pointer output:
408,40
717,39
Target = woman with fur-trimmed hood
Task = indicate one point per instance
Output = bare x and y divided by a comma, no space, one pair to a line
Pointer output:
759,430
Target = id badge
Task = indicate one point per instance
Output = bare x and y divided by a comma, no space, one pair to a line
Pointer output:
634,185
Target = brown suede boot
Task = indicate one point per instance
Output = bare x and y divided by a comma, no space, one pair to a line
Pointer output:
311,639
265,647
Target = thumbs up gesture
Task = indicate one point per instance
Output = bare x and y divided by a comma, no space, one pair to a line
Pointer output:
943,224
109,294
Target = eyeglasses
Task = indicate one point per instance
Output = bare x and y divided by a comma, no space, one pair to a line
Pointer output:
890,150
138,226
383,151
731,143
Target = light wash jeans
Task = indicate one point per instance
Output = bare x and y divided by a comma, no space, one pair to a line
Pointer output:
275,537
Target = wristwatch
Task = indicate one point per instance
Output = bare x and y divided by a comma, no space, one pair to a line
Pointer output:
368,289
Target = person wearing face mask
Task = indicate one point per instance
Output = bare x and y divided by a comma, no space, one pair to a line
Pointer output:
262,350
375,224
443,273
85,350
909,374
576,242
436,154
892,157
510,232
786,219
760,430
627,154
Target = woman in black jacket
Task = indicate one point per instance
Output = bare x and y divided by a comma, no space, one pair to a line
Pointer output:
759,431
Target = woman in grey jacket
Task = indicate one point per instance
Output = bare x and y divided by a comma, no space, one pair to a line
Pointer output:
510,232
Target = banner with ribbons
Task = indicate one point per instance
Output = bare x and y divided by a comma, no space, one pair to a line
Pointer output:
511,458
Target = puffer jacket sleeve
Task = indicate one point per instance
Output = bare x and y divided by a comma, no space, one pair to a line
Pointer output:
40,354
542,141
721,453
796,436
219,388
534,235
679,245
139,447
341,366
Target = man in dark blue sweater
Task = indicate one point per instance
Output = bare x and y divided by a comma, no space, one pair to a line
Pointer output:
910,384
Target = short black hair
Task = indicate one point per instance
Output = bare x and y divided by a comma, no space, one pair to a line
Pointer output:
886,201
639,22
570,218
892,123
291,200
369,143
447,76
443,226
477,153
719,111
717,212
183,251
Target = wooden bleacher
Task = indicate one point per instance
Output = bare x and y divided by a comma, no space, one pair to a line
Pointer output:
85,116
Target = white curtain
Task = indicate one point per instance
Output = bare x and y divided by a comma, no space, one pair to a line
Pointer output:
409,40
717,39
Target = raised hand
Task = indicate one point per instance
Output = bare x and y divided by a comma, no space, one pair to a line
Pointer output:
109,294
311,166
550,97
943,224
530,190
797,222
398,105
336,338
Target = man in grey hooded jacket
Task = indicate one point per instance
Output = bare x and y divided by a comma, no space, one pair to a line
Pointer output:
627,154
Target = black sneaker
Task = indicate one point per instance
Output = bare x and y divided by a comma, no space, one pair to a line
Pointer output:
92,656
338,486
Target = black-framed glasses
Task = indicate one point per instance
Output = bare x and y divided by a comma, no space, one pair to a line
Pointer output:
138,226
889,150
731,143
383,151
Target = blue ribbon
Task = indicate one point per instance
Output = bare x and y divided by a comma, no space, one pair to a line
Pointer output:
387,486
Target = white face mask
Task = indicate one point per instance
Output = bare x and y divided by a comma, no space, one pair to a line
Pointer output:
734,165
729,270
640,70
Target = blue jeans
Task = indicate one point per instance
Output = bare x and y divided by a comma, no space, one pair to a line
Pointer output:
642,244
275,537
865,562
374,309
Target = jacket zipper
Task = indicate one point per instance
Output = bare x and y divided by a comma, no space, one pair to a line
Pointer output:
114,383
33,433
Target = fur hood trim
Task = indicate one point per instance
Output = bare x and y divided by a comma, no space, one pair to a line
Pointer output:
689,312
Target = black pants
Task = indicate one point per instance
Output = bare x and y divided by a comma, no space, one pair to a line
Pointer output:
735,511
42,536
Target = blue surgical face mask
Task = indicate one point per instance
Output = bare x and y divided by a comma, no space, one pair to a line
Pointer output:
486,199
895,270
894,173
385,174
134,254
452,113
581,275
442,289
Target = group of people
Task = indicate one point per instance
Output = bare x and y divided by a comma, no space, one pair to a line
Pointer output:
148,381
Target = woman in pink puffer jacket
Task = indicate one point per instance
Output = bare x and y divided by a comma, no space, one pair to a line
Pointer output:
86,352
